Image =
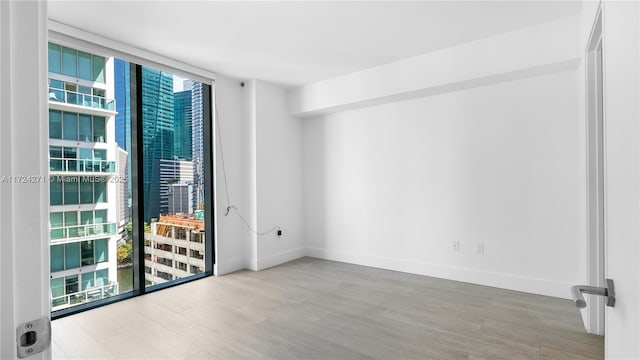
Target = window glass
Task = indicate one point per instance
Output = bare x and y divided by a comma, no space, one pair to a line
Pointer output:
86,217
84,65
71,190
86,191
101,216
99,133
70,218
102,277
100,191
56,219
55,124
56,84
54,58
69,65
71,284
172,155
102,251
57,287
173,171
72,255
57,258
70,126
55,191
84,90
86,153
86,248
88,280
99,92
85,131
97,70
69,152
55,159
71,223
55,152
99,154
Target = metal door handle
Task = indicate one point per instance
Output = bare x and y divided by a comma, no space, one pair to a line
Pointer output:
608,292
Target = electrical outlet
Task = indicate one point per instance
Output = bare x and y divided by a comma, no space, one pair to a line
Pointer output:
456,245
481,249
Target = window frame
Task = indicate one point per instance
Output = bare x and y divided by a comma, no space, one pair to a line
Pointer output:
65,36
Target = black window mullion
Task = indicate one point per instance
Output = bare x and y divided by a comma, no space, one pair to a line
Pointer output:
137,196
209,207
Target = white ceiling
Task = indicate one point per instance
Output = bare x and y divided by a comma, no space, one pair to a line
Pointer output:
299,42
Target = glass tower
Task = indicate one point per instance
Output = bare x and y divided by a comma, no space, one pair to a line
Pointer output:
157,134
183,116
122,78
197,144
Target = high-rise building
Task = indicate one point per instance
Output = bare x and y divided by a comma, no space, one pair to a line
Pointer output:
122,92
168,172
83,160
180,198
182,125
122,182
197,143
157,134
174,248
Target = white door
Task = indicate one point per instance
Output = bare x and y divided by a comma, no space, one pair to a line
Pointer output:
613,130
621,84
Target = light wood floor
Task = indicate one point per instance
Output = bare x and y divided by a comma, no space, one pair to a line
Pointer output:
316,309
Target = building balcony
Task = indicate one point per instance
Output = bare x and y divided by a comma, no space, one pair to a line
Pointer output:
175,242
155,280
84,296
161,267
86,103
174,256
70,233
83,166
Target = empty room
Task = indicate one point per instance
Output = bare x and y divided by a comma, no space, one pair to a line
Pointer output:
320,179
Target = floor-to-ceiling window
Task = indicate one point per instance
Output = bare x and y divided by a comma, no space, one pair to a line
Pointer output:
129,179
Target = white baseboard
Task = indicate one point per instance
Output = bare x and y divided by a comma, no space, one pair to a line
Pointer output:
229,266
499,280
280,258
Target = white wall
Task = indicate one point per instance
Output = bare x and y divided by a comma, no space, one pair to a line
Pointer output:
394,185
278,175
262,151
24,239
232,238
490,150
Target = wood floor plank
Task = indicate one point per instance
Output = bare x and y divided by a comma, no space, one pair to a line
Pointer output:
318,309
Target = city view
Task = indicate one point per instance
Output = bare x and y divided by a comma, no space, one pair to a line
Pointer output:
90,168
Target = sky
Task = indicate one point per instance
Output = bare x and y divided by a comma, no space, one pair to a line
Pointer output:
177,83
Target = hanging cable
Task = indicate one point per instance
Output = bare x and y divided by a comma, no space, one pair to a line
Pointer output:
224,171
226,187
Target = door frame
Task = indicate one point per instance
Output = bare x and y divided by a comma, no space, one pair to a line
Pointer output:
24,172
596,179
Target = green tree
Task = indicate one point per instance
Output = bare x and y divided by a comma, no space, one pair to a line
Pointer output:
129,227
125,250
